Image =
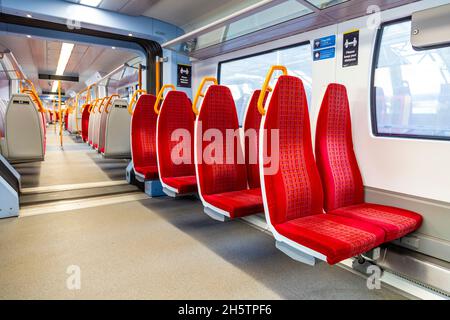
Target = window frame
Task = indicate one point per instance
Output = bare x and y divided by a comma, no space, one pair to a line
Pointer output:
298,44
373,98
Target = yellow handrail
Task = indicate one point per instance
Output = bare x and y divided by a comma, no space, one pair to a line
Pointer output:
266,87
109,102
161,94
133,99
199,92
35,98
102,100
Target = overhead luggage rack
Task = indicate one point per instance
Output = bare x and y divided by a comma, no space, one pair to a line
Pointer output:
268,20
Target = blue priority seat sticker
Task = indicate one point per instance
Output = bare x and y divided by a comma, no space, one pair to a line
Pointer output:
329,53
325,42
324,48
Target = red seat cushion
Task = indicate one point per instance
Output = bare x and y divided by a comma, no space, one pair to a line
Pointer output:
238,203
252,123
184,185
143,137
338,238
395,222
176,118
341,177
149,172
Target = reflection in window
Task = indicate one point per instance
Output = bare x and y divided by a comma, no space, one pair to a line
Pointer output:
412,88
322,4
246,75
275,14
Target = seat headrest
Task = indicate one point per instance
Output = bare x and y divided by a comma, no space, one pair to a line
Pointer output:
146,101
217,105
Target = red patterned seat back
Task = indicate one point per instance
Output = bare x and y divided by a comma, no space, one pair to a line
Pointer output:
143,132
295,190
85,123
335,157
217,114
176,119
252,123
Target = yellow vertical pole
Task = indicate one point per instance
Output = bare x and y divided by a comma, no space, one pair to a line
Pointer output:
60,114
140,77
54,113
157,69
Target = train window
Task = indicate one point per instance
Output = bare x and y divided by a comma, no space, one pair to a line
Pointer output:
245,75
411,88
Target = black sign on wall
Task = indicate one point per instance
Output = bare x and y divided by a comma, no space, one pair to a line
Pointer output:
184,76
350,49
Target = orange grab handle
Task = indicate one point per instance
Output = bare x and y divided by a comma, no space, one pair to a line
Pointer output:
160,96
100,105
266,87
109,102
92,106
199,92
134,99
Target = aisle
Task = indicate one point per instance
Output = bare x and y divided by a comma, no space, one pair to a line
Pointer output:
76,163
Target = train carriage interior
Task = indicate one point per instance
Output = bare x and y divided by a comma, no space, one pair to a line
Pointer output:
225,150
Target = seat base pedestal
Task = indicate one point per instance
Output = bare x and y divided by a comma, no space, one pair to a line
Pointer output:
169,192
153,188
9,200
130,173
215,215
295,254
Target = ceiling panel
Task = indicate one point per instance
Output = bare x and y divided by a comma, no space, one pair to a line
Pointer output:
37,55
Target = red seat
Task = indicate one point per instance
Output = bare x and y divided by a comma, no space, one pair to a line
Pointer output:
238,203
176,115
293,195
341,177
223,182
183,184
252,123
85,123
143,138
